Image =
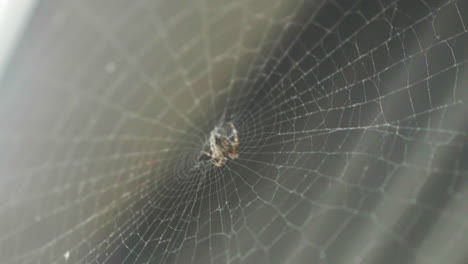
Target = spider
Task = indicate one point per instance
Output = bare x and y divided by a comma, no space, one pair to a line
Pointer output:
222,147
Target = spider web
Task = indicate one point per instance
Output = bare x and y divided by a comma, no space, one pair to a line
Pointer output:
351,118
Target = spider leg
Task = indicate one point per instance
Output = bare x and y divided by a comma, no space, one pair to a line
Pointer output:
234,132
208,154
218,164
